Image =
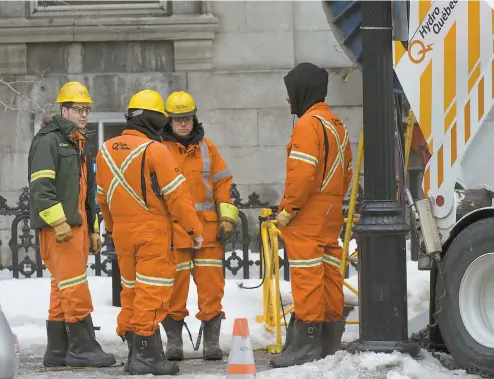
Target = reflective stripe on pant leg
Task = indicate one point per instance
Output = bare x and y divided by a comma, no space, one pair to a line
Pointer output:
155,272
72,279
178,302
127,265
210,282
306,273
333,281
333,284
55,311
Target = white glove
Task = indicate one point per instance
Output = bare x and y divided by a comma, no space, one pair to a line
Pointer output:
284,218
198,242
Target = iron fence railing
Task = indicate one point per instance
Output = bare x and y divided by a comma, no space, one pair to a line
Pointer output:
241,258
26,261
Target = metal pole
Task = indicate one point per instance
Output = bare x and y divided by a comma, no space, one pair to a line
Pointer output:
383,316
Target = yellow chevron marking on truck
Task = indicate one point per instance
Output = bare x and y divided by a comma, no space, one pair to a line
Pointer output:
467,121
399,50
440,166
473,78
448,87
426,101
480,100
450,117
424,6
454,144
473,34
449,74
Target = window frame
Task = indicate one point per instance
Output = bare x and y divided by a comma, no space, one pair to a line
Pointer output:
100,118
35,10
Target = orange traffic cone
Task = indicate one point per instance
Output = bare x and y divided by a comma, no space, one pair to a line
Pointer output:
241,363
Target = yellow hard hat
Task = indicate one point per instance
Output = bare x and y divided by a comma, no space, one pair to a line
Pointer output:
73,92
180,104
149,100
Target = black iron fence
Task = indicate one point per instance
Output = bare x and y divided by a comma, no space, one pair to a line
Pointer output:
238,259
242,252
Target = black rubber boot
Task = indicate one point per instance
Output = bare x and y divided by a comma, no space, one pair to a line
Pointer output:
129,337
57,344
174,342
331,337
84,350
211,348
305,346
146,358
289,332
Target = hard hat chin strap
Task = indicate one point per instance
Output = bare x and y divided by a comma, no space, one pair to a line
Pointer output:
129,115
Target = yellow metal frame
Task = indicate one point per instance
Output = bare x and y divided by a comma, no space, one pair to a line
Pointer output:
272,314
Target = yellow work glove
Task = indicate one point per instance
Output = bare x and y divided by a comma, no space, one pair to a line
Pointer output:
284,218
225,231
96,243
228,214
63,232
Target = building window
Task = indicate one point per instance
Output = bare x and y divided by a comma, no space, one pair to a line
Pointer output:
114,8
101,127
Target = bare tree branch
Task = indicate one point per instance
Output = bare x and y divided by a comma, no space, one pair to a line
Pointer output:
12,86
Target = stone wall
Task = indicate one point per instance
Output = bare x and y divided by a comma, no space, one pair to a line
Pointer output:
242,102
231,56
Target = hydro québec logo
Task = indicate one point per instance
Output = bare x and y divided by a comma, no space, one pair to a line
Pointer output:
437,18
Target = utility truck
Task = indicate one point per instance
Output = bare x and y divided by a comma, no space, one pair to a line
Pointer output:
444,67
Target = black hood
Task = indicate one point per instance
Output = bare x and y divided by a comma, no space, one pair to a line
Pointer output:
196,135
306,85
148,122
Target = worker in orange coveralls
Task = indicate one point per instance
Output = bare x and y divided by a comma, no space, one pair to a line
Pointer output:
209,181
63,211
318,173
140,188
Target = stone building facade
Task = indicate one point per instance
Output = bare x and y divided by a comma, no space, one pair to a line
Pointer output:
230,55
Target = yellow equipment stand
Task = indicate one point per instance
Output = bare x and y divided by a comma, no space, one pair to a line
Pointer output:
272,316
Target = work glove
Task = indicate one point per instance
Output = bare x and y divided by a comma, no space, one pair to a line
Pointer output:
96,243
228,215
225,231
284,218
198,242
63,232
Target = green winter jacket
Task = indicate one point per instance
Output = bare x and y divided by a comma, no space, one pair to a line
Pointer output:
54,170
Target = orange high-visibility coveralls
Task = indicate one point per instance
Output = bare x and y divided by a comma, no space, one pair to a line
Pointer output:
141,224
317,180
209,181
70,298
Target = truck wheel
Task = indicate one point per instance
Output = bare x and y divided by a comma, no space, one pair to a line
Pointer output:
465,314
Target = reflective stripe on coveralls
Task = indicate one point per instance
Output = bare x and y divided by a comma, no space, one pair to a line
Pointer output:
145,260
119,178
209,280
207,262
311,238
208,205
341,151
70,298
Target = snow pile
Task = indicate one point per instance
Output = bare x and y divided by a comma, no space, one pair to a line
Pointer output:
369,366
25,304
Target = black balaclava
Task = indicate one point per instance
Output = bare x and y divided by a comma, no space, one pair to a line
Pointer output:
148,122
195,135
306,85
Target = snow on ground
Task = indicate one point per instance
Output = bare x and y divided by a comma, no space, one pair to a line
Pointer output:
25,304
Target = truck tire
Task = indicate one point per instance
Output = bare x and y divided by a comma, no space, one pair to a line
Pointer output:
465,313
